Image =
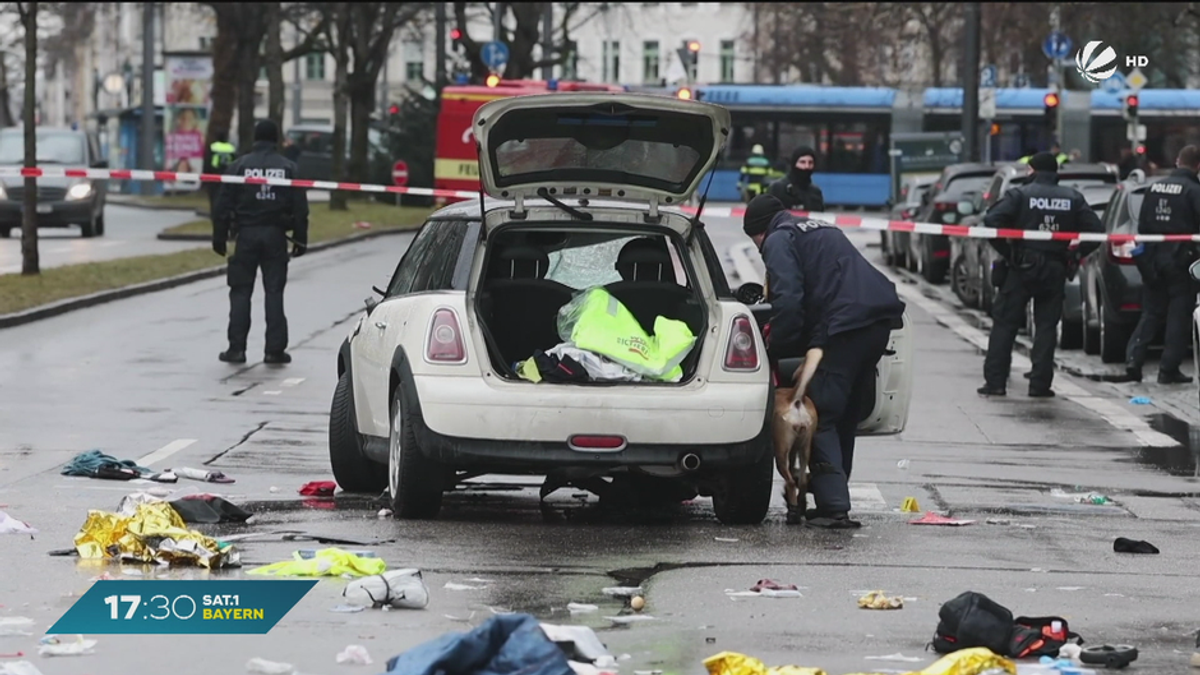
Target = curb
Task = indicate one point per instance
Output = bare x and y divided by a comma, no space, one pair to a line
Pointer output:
72,304
163,236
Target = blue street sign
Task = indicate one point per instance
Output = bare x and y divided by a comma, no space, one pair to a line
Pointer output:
494,55
1115,84
1056,46
987,77
1021,81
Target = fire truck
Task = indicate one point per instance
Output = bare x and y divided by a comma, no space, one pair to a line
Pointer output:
456,164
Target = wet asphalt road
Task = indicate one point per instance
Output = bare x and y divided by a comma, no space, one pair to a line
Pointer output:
141,374
128,232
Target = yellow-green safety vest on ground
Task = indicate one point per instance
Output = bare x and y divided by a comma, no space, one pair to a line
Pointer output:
606,327
222,154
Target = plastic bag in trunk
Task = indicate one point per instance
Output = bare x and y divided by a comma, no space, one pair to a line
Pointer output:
597,322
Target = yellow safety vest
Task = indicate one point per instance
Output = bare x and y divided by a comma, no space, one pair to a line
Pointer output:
222,154
604,326
1025,159
1062,158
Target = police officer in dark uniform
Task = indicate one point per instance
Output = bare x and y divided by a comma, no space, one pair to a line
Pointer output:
825,295
1034,270
1171,206
259,216
797,191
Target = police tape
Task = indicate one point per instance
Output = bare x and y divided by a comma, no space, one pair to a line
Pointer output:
877,224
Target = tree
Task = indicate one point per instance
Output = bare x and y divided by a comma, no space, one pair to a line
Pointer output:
29,240
338,29
526,35
241,28
306,20
826,43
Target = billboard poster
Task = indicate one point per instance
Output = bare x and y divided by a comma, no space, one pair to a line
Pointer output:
188,94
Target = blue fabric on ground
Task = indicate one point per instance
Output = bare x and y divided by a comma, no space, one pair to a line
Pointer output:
506,644
87,463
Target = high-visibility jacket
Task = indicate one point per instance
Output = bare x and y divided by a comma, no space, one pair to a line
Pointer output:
222,154
597,322
757,169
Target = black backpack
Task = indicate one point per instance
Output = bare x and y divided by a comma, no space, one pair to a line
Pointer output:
975,620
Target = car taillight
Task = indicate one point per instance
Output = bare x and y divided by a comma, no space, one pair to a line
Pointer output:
1122,252
741,353
445,344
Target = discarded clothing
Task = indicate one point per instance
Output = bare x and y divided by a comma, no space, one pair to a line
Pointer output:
964,662
96,464
328,562
542,366
732,663
154,534
318,488
1121,545
597,322
502,645
598,367
877,600
772,585
402,589
209,509
204,476
10,525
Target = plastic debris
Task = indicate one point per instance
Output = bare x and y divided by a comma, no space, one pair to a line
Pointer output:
274,490
903,464
622,591
877,600
384,513
580,644
265,667
332,562
452,586
1140,400
10,525
9,626
318,488
402,589
581,608
19,668
976,661
894,657
629,618
764,593
931,518
727,540
355,655
205,476
154,534
346,609
910,505
53,645
1081,497
1070,651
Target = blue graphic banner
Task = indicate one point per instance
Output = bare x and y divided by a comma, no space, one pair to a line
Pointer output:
182,607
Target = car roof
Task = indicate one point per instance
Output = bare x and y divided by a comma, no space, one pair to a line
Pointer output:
969,167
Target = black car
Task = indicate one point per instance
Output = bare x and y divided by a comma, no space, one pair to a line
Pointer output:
929,254
61,202
310,146
1111,297
893,244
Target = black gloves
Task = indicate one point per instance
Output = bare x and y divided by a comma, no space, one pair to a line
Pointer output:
219,247
298,249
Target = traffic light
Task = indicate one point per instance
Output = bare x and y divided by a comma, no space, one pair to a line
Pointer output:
995,131
689,56
393,110
456,39
492,80
1131,108
1051,110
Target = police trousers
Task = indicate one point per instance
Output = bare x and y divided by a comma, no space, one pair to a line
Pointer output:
839,390
1168,296
1040,279
258,247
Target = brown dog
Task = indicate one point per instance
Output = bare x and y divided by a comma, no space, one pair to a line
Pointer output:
793,426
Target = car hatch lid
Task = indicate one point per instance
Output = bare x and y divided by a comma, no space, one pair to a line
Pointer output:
619,146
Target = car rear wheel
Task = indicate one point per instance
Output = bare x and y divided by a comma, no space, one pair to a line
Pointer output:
961,283
415,482
1090,336
352,469
743,495
1114,336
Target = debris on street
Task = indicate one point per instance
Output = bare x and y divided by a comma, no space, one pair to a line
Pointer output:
19,668
894,657
910,505
931,518
53,645
354,655
1123,545
637,603
205,476
96,464
452,586
9,626
622,591
1140,400
328,562
265,667
154,534
877,600
319,488
977,661
629,618
10,525
515,640
402,589
1081,497
581,608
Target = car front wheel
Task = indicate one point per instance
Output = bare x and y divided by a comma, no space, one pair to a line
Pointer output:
352,469
414,481
743,494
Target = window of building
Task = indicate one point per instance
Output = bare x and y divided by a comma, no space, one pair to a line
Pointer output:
611,68
650,61
314,66
205,44
728,58
414,61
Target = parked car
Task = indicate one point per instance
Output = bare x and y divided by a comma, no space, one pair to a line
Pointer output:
312,150
61,202
583,188
929,254
1111,295
974,256
894,245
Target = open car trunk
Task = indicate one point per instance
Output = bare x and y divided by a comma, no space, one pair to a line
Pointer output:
591,305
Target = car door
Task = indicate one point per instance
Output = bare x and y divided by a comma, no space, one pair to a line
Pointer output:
893,386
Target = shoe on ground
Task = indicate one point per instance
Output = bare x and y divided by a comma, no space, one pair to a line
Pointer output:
837,521
1041,393
1173,378
986,390
232,356
795,516
277,357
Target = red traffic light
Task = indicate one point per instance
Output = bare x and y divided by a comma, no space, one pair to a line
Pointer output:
1131,101
1051,100
1141,149
455,34
393,109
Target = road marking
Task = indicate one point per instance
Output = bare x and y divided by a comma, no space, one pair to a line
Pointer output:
166,451
291,382
866,497
273,392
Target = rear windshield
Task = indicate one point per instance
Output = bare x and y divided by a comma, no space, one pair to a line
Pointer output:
586,259
662,150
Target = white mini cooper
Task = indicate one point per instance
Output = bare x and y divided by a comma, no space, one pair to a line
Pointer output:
434,381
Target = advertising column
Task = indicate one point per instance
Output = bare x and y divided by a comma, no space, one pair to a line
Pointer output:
189,88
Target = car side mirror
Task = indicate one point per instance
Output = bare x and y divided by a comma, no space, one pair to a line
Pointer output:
1194,270
750,293
966,208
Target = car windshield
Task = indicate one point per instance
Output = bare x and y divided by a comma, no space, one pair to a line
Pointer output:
962,185
52,148
589,259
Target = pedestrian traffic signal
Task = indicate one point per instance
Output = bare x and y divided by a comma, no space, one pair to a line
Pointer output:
1051,110
1131,107
456,39
492,80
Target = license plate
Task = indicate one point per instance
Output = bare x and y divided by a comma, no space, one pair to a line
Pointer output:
45,208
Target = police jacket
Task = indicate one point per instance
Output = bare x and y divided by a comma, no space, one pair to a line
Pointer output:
798,197
245,206
1172,206
1042,205
820,286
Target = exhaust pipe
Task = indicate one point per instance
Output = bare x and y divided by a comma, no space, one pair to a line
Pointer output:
689,462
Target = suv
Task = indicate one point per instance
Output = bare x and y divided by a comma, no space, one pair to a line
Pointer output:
61,202
894,244
929,254
439,381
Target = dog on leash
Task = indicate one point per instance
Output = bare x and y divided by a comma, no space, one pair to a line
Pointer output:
794,424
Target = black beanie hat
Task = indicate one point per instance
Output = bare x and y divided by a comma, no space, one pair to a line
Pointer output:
266,130
759,213
1044,161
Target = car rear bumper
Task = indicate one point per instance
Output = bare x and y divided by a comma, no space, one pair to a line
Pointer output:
1123,292
60,214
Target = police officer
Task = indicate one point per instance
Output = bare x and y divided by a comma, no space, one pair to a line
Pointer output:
826,295
260,215
755,173
1171,206
1034,270
796,190
216,160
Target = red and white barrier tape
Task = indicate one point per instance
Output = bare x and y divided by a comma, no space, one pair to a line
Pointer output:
879,224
